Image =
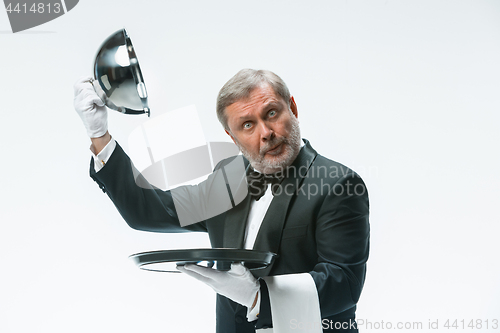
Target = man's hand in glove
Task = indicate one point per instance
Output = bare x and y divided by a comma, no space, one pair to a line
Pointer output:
237,284
90,108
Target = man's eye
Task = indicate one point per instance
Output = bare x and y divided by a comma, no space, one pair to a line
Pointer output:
247,125
272,113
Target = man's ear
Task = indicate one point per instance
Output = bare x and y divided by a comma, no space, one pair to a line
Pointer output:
293,107
230,136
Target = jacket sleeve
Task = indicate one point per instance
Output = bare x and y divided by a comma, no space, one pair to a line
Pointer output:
341,235
342,240
143,207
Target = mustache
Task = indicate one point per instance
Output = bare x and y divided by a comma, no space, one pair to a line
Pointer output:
272,144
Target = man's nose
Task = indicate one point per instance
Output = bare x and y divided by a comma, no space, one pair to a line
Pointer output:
266,132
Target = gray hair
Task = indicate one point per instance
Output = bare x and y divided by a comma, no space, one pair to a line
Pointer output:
241,85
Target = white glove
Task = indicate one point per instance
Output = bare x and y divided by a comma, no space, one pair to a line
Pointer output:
237,284
90,108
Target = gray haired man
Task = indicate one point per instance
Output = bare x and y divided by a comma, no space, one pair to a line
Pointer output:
315,219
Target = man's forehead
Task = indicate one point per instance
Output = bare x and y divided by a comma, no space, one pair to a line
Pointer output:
263,94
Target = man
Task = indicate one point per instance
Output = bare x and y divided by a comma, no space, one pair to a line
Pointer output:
313,213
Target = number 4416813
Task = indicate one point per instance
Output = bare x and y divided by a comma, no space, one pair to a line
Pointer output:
35,8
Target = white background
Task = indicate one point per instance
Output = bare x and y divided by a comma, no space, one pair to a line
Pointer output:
404,92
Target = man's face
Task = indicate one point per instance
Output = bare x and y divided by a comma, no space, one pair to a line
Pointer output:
265,129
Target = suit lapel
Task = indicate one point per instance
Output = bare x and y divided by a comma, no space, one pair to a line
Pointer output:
269,236
236,218
234,225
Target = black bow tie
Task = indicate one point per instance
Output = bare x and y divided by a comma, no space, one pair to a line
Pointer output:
257,183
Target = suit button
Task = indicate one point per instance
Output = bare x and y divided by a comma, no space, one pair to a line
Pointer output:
238,319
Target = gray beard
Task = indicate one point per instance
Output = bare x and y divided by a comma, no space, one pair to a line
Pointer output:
291,146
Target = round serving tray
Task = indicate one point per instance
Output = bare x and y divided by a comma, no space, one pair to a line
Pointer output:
166,260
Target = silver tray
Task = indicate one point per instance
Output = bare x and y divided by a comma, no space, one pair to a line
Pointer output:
166,260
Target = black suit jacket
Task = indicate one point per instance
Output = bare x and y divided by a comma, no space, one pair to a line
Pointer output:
317,223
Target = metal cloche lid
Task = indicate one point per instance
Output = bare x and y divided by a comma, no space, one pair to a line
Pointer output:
118,77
